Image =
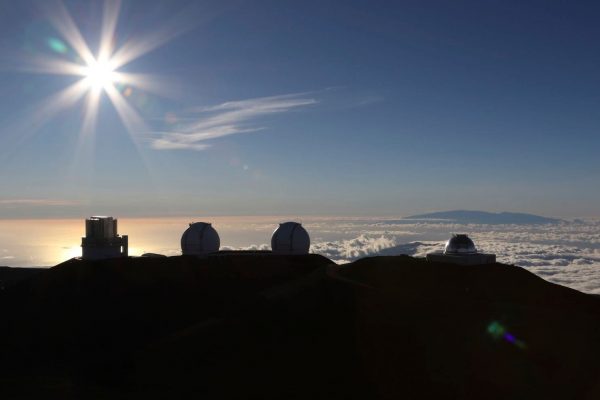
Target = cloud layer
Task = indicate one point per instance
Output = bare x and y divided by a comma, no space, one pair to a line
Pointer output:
36,202
200,125
567,254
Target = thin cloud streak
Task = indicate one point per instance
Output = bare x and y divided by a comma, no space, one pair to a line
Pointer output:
37,202
226,119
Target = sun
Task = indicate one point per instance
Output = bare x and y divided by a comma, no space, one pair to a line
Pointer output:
99,74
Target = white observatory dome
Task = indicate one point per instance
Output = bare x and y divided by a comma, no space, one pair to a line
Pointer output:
290,238
199,239
460,244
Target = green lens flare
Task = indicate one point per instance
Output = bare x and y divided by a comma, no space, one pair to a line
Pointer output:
57,45
497,331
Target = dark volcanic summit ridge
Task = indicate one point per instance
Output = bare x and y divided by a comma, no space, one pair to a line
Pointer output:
265,326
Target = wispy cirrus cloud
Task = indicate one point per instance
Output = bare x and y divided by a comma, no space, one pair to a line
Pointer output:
36,202
202,124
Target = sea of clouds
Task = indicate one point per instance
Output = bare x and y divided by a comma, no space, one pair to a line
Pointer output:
566,253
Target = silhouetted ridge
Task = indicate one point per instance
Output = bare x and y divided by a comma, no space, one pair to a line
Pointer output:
258,325
10,276
482,217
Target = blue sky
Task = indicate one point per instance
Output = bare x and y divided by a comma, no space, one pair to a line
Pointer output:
309,108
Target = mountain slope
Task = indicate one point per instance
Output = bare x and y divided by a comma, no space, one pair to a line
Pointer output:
263,326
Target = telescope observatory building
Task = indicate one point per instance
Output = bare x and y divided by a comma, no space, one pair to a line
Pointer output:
290,238
200,239
460,249
102,241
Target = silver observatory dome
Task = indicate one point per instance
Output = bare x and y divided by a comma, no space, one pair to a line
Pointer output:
199,239
460,244
290,238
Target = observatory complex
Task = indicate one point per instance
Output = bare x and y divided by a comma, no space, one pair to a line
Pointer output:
460,249
101,239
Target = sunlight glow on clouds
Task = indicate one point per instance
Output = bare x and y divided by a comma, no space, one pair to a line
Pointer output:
225,119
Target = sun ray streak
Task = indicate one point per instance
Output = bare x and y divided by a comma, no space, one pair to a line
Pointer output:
83,160
61,20
45,111
110,17
133,122
179,24
60,101
137,48
49,65
129,116
90,115
148,83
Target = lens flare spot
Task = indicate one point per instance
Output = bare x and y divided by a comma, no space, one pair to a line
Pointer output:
57,45
128,92
497,331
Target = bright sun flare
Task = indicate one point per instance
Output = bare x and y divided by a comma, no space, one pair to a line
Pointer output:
99,74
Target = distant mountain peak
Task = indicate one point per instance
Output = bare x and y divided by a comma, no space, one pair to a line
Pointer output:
484,217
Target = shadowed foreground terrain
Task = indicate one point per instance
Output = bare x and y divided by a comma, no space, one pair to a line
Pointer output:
259,326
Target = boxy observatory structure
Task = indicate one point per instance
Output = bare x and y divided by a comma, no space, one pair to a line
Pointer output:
460,249
101,239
